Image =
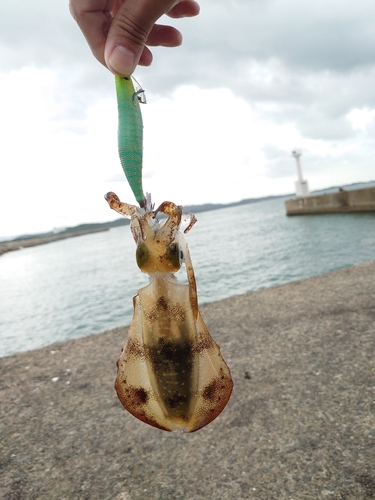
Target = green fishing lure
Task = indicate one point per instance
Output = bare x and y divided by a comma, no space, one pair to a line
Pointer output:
130,134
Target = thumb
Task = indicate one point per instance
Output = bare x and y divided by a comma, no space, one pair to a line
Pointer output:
131,25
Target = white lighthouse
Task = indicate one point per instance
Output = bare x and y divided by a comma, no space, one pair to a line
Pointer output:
302,186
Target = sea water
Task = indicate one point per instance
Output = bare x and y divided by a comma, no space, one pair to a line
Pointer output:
84,285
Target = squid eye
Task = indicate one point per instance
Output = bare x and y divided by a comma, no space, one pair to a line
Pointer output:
173,255
142,255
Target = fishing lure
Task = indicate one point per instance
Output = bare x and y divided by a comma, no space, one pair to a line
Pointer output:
170,374
130,134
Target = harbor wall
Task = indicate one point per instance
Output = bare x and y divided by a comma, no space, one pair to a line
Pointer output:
358,200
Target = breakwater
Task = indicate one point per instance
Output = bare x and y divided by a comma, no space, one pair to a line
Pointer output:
358,200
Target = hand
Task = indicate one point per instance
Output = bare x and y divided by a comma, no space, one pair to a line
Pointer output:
118,31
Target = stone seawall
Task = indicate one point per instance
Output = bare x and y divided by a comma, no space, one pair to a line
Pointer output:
359,200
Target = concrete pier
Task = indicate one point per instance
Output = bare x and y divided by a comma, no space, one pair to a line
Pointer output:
358,200
299,424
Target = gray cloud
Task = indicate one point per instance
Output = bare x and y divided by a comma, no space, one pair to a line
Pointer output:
316,35
314,61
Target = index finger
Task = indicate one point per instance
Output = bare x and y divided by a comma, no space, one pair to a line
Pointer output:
94,19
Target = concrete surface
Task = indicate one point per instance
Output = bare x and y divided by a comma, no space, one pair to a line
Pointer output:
300,423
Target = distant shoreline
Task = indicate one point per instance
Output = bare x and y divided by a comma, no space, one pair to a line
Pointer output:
10,246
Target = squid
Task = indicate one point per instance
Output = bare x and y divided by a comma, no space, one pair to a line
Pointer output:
171,374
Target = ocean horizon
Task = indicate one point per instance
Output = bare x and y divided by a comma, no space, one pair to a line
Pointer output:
203,207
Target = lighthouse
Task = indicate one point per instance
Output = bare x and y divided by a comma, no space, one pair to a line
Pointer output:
302,186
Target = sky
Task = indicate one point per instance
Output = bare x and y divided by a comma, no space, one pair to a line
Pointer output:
253,80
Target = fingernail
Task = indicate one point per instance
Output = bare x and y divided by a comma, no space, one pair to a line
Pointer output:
121,61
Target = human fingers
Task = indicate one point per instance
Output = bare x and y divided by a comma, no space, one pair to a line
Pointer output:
185,8
94,19
164,36
133,27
